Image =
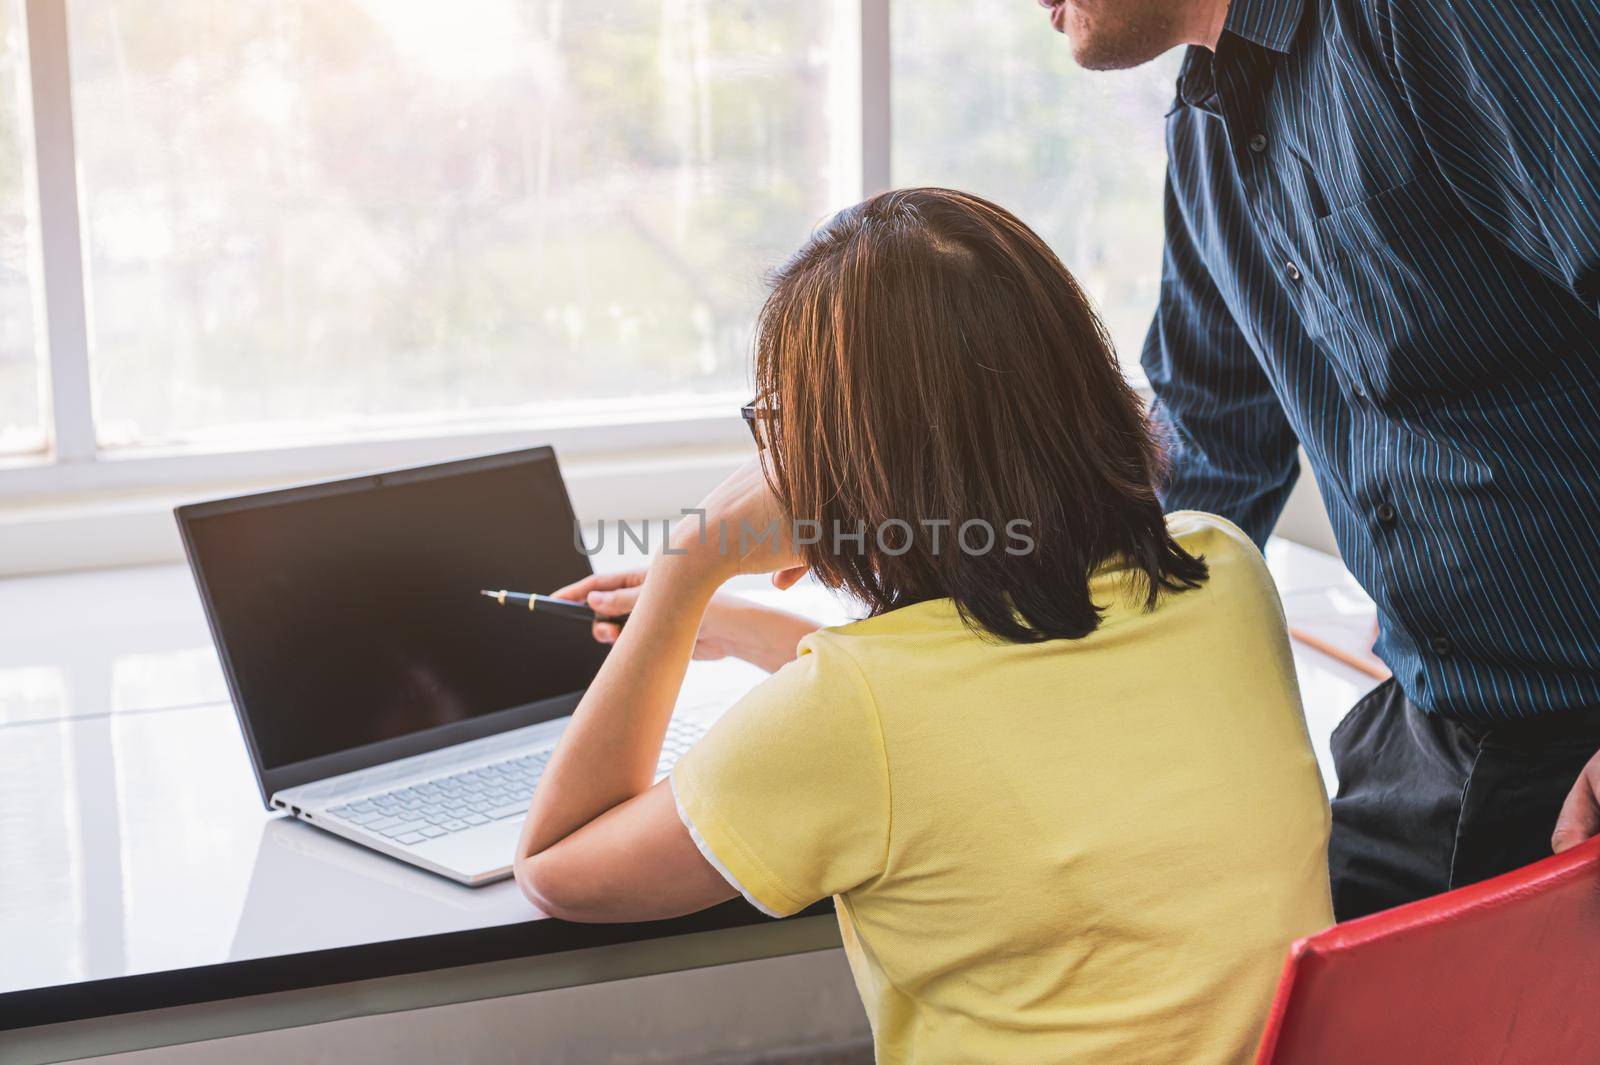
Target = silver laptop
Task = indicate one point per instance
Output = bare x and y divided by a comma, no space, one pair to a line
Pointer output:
381,697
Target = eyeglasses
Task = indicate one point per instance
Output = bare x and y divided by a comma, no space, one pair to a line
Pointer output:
754,413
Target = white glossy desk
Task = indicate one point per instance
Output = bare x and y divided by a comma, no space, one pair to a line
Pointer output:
140,875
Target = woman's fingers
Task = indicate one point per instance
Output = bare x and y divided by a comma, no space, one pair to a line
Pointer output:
578,591
614,603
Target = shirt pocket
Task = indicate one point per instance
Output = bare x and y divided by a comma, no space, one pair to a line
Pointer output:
1385,220
1406,276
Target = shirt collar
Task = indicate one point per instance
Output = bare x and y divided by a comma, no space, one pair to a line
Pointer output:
1269,23
1197,81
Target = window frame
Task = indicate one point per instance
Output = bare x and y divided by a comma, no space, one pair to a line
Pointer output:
639,434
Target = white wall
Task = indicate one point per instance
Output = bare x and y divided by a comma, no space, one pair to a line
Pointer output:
1305,519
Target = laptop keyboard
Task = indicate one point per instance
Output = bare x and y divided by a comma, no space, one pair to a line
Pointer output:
473,797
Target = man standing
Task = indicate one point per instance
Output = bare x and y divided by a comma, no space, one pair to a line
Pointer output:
1383,244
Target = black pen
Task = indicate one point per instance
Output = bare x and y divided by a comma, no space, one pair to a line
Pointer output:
545,604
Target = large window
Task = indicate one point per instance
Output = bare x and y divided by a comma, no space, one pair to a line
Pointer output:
278,224
22,425
314,212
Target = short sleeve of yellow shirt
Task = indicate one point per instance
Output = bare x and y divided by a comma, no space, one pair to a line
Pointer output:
806,741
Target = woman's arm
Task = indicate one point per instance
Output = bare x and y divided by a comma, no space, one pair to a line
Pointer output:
596,825
635,862
600,843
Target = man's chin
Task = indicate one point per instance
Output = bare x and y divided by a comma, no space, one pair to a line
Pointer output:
1094,55
1093,59
1102,42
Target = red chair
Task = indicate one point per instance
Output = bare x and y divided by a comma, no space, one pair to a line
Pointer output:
1506,972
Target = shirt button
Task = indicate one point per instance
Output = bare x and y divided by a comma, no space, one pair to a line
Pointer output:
1386,513
1442,646
1292,270
1258,143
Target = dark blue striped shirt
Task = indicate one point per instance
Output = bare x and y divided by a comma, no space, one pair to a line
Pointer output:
1383,243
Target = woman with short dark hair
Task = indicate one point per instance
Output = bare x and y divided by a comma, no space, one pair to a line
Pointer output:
1058,778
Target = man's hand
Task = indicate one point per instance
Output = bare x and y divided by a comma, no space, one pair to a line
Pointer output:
1580,814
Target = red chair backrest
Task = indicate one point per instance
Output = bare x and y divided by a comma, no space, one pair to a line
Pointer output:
1504,972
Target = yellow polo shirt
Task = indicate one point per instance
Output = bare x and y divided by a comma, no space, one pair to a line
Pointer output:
1091,850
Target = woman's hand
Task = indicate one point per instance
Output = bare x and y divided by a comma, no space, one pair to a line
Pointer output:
731,626
743,530
612,595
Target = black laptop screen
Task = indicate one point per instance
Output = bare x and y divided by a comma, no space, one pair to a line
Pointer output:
352,617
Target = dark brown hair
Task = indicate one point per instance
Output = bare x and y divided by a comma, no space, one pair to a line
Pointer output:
925,358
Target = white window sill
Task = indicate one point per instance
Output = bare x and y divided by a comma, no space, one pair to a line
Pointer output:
96,529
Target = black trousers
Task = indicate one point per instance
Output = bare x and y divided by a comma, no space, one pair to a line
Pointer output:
1429,803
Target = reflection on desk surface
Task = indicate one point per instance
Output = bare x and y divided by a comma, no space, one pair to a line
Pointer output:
310,890
144,645
137,843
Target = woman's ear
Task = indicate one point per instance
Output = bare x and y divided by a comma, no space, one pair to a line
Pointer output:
784,579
